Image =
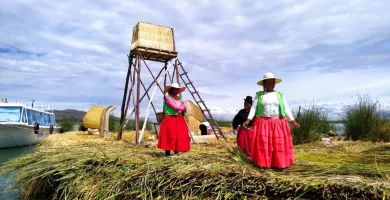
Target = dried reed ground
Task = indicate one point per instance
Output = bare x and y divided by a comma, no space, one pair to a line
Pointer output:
79,166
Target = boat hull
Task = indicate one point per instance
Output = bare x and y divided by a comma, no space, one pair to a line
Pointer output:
21,135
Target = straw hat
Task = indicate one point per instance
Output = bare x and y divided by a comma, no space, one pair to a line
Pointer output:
267,76
174,85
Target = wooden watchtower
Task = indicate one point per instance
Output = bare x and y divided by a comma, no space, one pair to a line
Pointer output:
156,43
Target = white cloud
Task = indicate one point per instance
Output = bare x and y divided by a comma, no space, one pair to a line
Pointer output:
325,51
75,43
297,9
207,29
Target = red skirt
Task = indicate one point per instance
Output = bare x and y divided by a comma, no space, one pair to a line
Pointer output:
272,144
174,134
244,140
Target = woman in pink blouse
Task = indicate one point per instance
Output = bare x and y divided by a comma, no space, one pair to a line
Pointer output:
174,135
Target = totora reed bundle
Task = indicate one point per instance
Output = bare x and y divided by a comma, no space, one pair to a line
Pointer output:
77,166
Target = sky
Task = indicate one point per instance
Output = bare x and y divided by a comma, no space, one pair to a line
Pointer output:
73,54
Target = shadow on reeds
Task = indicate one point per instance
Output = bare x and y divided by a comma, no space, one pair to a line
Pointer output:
160,154
384,149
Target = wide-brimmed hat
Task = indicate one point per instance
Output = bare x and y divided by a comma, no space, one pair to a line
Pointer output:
267,76
174,85
248,99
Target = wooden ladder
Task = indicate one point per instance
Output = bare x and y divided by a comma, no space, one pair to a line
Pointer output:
199,101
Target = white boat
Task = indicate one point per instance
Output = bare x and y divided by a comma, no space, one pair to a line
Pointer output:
22,125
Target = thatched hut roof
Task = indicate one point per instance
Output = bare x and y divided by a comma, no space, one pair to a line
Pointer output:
193,110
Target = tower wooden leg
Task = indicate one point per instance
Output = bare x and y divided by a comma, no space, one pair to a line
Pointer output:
138,100
177,71
166,74
123,113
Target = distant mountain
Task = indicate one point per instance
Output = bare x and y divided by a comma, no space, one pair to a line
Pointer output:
69,114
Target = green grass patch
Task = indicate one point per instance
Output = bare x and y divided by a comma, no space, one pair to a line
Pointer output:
314,123
114,124
66,125
366,119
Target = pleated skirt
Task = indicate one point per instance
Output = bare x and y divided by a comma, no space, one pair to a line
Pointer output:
244,140
271,145
174,134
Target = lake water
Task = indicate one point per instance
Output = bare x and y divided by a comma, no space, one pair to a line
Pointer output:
5,181
339,128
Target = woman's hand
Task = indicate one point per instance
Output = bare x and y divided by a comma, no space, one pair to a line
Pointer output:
183,111
245,124
295,124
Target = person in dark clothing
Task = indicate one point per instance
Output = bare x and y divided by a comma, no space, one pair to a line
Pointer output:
244,134
203,129
242,115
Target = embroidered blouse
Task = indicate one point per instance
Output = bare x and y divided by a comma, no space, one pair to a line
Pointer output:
176,103
270,106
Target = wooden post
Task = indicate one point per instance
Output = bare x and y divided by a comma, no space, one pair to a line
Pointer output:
123,113
177,74
138,101
147,90
165,76
132,79
146,65
126,87
173,74
177,71
165,84
171,77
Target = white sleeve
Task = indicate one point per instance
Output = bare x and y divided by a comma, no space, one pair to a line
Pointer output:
252,112
289,114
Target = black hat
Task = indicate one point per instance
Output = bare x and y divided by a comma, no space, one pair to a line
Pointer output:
248,99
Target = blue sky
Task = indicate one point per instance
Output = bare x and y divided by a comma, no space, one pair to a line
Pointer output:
73,54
